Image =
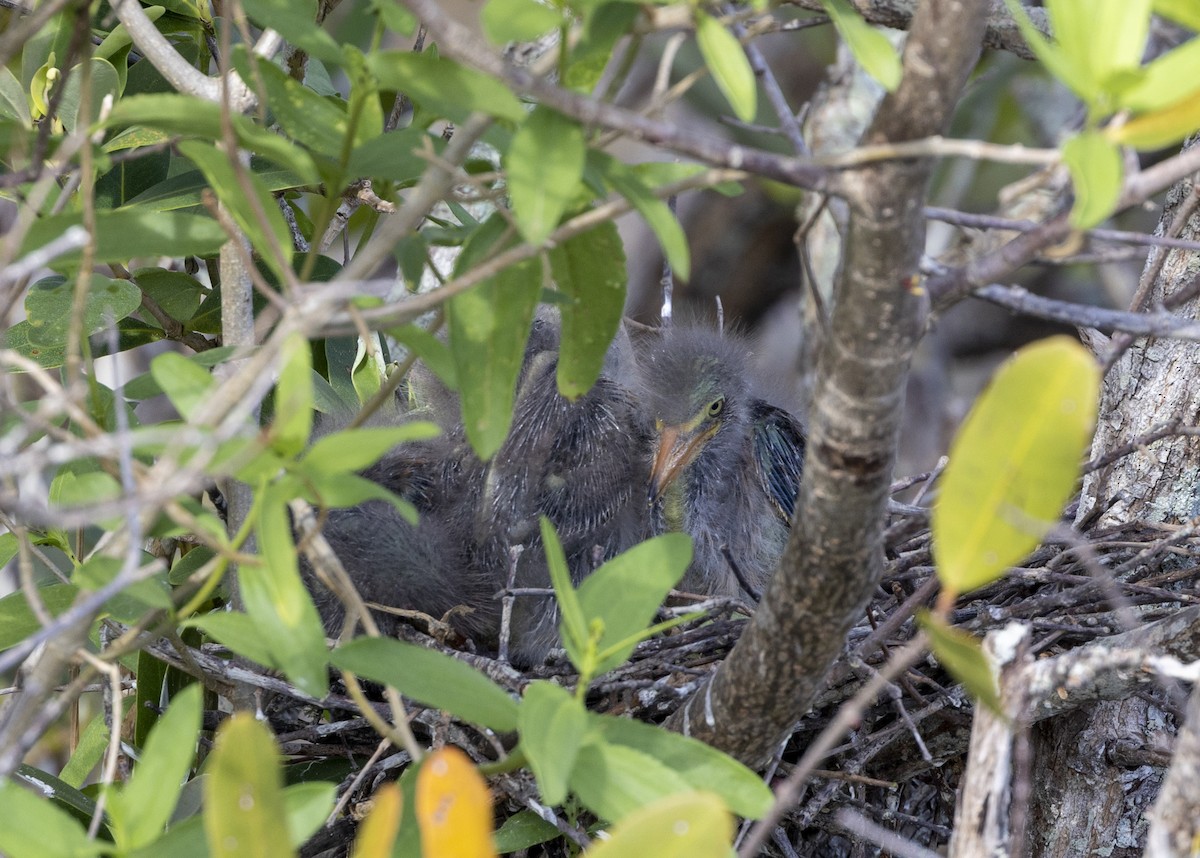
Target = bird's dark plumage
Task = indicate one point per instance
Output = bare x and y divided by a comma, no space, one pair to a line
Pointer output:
577,463
726,463
391,562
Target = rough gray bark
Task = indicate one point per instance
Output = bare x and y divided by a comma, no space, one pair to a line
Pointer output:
834,557
1175,819
1090,797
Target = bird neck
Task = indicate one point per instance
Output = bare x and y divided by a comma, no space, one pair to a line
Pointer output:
674,506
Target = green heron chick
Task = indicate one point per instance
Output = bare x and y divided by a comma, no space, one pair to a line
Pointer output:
725,463
577,463
393,563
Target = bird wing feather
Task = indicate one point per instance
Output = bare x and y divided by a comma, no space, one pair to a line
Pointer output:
778,456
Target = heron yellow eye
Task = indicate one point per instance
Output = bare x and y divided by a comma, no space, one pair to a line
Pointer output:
716,406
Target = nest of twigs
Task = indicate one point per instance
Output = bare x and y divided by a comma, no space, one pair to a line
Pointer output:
899,769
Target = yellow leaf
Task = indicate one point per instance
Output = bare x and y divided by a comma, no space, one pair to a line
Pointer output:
1014,462
244,811
377,834
687,825
1160,128
454,807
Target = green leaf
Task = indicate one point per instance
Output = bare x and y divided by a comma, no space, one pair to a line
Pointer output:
431,678
92,744
657,214
1096,171
394,16
125,233
507,21
443,86
178,294
311,120
296,22
275,596
257,213
293,398
244,812
701,765
692,825
369,369
186,189
727,62
1068,68
184,839
133,601
545,164
604,26
130,178
240,632
339,491
551,724
590,269
1184,12
145,385
1014,462
354,449
489,325
31,827
49,302
13,103
1105,36
574,624
142,808
17,339
17,620
103,81
59,792
963,657
9,546
613,781
1168,80
626,592
183,114
83,483
186,384
392,155
307,806
522,830
870,47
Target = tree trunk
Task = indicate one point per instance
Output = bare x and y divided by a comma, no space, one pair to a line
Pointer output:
1095,779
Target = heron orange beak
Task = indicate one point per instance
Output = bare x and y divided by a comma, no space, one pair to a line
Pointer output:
674,450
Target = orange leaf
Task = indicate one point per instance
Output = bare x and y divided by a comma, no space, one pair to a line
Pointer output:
377,834
454,807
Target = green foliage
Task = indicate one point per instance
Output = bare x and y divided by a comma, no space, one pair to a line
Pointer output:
488,329
961,654
141,809
688,825
430,677
1014,462
243,793
870,47
727,61
590,269
545,165
552,724
1097,53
